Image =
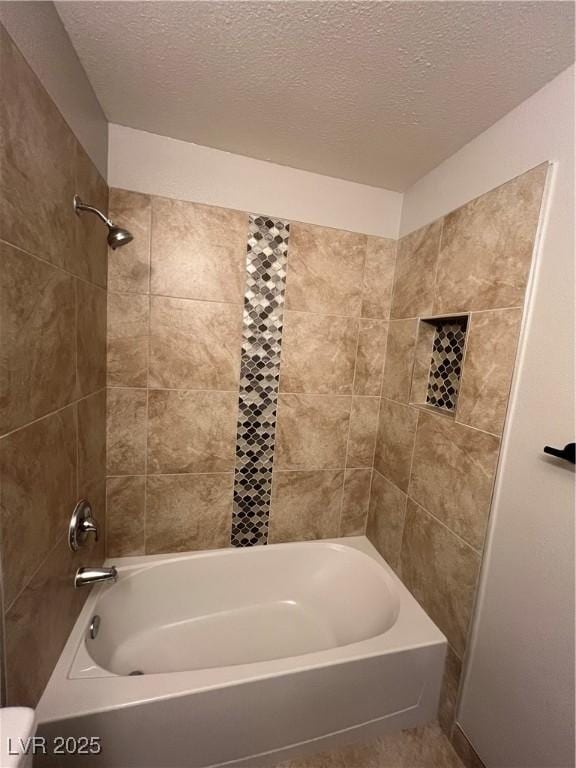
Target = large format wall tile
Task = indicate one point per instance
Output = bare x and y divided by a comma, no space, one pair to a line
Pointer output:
453,473
325,270
449,691
37,162
53,371
194,344
39,621
416,271
191,431
129,266
318,354
370,355
128,326
399,363
441,572
386,517
125,508
395,442
363,431
198,251
423,352
487,247
355,501
378,277
37,338
91,338
90,256
126,431
37,493
305,505
312,431
188,512
488,367
91,414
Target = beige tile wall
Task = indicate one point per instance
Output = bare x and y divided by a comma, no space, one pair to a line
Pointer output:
173,346
53,374
434,473
174,343
335,331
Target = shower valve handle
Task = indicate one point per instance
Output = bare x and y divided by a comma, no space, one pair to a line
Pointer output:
81,524
88,525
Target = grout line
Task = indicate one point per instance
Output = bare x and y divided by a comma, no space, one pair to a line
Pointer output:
191,299
467,334
318,469
147,413
381,387
420,407
329,314
241,304
404,517
446,527
34,572
237,391
477,429
455,652
49,263
76,327
494,309
169,474
368,466
322,394
413,453
392,293
369,501
377,433
52,413
437,264
76,416
169,389
3,654
448,315
346,451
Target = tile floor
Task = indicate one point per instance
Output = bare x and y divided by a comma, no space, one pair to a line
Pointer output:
425,747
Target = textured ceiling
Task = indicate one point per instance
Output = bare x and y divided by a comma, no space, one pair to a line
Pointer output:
375,92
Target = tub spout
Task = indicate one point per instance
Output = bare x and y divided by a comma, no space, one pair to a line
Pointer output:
86,576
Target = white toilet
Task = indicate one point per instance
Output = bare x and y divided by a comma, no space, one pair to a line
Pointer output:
17,727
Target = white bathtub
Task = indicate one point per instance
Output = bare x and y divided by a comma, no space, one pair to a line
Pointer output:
248,657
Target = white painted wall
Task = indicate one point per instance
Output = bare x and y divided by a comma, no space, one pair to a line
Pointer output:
157,165
38,32
517,706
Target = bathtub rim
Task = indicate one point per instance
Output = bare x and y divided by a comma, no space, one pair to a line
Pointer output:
65,697
86,665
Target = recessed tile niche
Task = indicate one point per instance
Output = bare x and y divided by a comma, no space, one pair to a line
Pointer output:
438,362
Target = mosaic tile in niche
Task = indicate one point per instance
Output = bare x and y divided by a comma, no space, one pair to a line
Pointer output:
446,363
259,375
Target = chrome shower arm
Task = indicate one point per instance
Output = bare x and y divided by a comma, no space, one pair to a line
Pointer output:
117,236
80,206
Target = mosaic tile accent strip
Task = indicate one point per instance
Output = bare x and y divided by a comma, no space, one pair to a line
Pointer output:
259,376
446,364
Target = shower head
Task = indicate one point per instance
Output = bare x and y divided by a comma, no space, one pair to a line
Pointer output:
117,236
